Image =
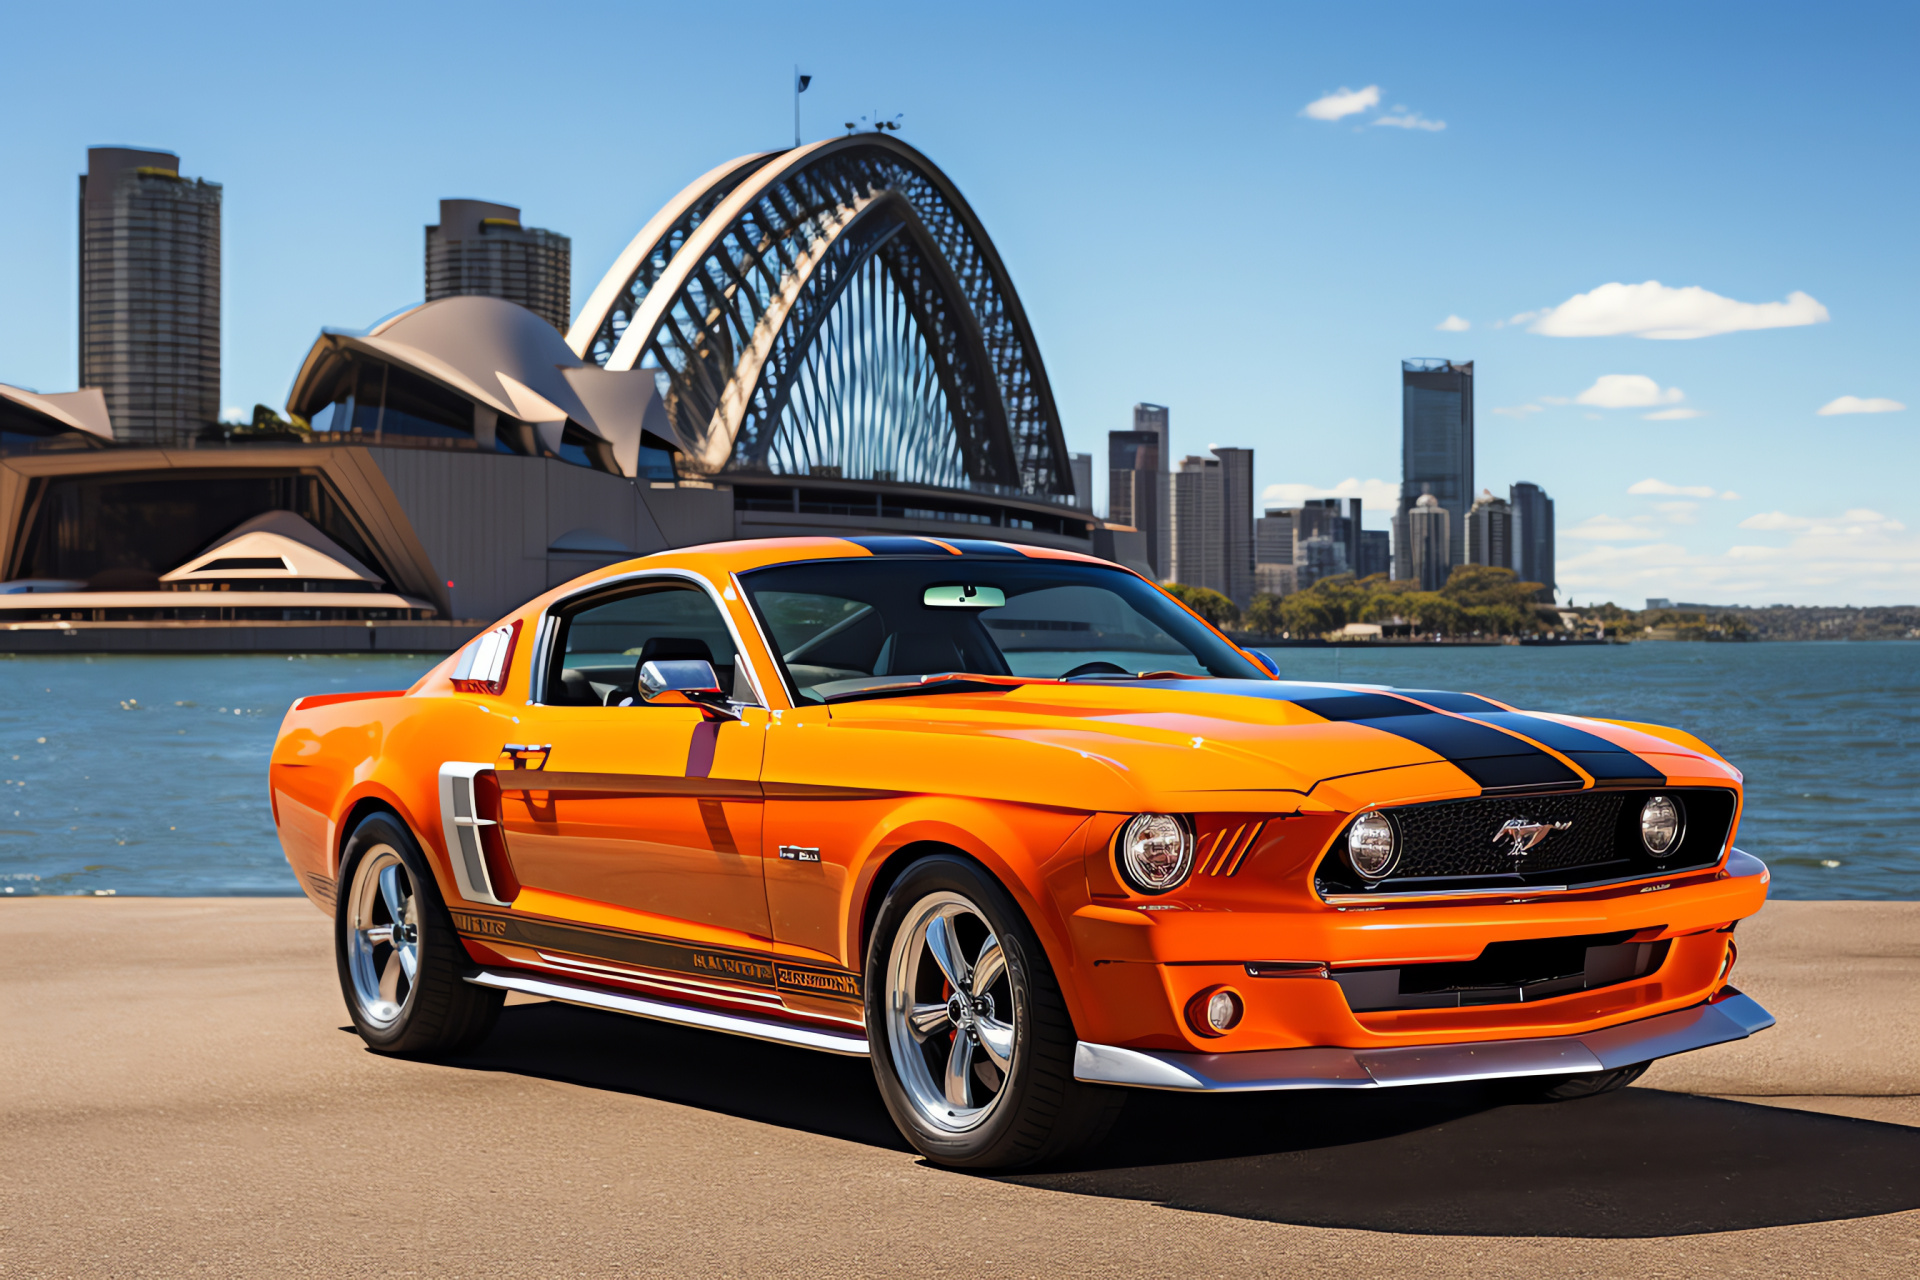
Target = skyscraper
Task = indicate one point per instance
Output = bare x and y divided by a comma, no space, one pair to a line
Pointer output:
1490,532
1236,523
1273,552
481,248
1343,527
1428,546
1212,523
1136,489
1532,534
1436,446
1153,419
150,294
1375,555
1082,465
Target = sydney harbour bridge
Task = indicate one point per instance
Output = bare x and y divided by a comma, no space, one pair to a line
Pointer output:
833,311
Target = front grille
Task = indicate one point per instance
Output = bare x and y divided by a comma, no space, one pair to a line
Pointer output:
1505,973
1456,844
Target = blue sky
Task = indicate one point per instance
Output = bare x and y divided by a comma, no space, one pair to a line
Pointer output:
1180,228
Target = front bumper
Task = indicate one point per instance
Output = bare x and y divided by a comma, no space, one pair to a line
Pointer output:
1732,1016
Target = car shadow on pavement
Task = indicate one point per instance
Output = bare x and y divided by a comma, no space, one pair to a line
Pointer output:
774,1084
1438,1160
1466,1160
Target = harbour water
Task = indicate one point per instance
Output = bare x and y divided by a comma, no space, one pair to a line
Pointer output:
147,775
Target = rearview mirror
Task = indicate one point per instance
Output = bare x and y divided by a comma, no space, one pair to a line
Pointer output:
684,682
964,597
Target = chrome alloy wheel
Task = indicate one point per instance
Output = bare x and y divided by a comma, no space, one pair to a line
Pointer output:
950,1019
383,936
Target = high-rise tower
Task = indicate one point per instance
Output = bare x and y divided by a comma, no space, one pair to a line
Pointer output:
1436,448
150,294
481,248
1532,533
1137,489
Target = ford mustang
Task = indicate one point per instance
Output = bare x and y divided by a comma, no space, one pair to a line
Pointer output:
1019,827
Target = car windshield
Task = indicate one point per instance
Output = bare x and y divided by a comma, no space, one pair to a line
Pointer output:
860,628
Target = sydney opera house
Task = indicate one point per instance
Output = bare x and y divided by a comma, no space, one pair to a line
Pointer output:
815,340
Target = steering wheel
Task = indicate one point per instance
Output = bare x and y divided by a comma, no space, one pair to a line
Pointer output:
1096,669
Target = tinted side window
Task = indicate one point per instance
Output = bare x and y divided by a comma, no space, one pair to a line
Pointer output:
604,640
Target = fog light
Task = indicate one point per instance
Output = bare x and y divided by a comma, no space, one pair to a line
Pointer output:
1215,1011
1370,845
1156,852
1660,825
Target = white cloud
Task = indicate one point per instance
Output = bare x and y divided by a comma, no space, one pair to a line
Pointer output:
1405,119
1854,404
1663,489
1346,102
1374,494
1519,410
1673,415
233,413
1653,310
1859,557
1729,496
1454,324
1612,529
1627,391
1854,523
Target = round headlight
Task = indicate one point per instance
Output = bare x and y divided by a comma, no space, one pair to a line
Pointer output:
1370,845
1156,852
1660,825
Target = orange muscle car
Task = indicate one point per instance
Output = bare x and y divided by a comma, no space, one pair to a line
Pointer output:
1019,827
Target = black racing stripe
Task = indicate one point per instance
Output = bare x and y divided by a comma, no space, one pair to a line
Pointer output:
1445,701
1492,759
982,547
1606,761
900,546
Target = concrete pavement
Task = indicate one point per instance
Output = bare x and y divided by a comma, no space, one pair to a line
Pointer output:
179,1095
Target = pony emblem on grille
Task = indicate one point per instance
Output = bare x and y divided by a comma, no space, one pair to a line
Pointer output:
1525,834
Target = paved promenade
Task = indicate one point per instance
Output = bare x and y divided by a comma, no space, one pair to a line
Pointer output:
179,1096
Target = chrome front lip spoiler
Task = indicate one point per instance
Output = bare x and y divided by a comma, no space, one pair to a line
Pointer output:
1733,1018
686,1015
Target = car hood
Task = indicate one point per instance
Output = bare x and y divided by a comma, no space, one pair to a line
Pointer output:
1194,745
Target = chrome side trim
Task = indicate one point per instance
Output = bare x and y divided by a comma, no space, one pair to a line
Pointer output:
738,1024
460,825
1733,1018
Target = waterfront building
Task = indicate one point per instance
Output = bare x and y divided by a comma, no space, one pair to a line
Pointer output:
1212,523
1343,526
150,294
1082,467
1533,534
1273,552
1274,580
1375,553
1490,532
479,249
34,423
1429,537
1143,497
1436,446
466,457
1137,489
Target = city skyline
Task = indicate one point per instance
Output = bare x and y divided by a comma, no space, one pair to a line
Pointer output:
1655,304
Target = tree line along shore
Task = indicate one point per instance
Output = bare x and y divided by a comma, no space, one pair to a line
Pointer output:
1483,603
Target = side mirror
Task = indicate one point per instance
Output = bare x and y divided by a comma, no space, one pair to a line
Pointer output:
687,682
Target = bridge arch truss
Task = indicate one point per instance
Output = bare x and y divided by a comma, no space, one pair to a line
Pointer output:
836,309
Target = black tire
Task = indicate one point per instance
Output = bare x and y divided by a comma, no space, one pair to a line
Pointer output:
1590,1084
1038,1112
431,1011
